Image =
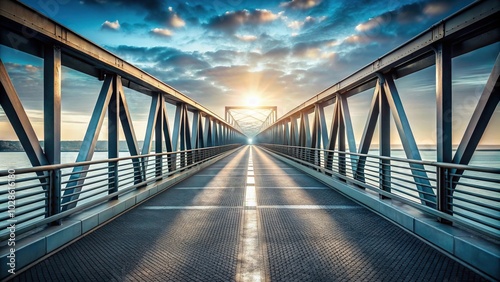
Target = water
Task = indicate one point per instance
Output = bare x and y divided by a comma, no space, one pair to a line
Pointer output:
15,160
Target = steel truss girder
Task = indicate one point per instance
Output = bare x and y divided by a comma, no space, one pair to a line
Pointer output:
469,29
472,28
25,29
408,141
9,100
113,99
128,131
236,121
351,141
479,120
88,145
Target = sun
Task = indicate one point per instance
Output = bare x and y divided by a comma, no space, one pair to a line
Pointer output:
252,100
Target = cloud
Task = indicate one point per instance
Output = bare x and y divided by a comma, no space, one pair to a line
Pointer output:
246,38
306,23
193,13
313,49
163,62
184,62
231,21
278,53
402,21
435,8
161,32
156,10
300,4
107,25
222,57
169,18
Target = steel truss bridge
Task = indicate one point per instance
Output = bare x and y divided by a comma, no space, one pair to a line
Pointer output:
251,119
305,192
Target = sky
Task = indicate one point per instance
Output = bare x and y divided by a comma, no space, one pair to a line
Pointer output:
227,53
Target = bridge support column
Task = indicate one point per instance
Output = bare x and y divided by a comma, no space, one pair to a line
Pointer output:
113,116
52,125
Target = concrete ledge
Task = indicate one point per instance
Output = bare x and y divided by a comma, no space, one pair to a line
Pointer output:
37,245
470,249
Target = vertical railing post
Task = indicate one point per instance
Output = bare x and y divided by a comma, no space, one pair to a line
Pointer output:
443,200
384,176
113,178
54,195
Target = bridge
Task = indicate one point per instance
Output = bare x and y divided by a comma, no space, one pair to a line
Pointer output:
304,201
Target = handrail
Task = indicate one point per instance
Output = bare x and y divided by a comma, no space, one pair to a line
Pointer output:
448,206
86,163
102,188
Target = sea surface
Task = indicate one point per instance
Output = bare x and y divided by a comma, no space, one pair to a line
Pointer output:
16,160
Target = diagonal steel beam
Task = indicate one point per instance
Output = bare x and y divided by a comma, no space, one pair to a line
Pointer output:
9,100
71,193
153,114
166,130
420,177
366,139
351,141
129,132
479,120
208,132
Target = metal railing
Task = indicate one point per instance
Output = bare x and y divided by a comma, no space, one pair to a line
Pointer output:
458,194
37,196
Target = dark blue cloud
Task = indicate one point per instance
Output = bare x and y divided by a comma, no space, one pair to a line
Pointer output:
231,21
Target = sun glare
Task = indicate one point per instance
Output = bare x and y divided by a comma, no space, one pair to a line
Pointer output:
252,100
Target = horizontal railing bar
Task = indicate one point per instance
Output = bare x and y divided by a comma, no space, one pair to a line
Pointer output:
429,163
495,208
85,163
86,183
83,191
29,187
20,212
370,176
464,176
471,185
24,196
477,220
85,178
475,195
85,197
83,171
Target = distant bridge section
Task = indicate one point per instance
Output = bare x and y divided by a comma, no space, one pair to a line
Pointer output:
251,119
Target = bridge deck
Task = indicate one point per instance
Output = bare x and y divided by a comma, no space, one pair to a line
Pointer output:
209,228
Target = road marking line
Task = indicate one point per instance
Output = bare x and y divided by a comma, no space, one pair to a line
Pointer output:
249,262
207,188
311,207
188,207
297,187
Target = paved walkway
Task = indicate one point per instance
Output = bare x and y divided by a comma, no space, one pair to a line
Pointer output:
249,218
